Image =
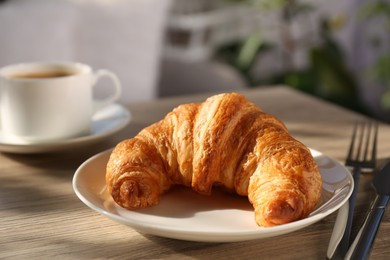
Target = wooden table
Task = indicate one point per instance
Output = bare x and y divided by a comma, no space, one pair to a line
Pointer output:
41,217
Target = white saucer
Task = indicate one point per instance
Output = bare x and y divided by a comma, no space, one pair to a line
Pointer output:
105,122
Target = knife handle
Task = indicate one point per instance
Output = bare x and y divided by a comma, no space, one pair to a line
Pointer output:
361,247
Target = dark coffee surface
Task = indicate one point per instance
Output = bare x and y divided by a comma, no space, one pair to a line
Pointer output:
49,74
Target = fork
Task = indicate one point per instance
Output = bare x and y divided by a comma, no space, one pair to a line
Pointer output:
361,156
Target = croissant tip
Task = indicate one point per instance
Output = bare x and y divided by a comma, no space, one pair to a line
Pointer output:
283,212
134,194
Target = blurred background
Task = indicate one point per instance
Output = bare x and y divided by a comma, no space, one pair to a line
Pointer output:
336,50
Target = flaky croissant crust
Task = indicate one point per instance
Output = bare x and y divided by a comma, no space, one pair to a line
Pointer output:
225,141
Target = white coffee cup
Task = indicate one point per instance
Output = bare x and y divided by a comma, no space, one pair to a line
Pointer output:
46,101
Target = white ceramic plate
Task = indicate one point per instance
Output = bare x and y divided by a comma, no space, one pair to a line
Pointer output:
105,122
183,214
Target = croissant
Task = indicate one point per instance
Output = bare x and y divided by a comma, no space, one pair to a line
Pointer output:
225,142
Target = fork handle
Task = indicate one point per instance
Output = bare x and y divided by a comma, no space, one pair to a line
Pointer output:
361,247
345,241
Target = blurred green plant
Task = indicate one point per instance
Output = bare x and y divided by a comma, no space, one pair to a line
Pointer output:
380,70
326,76
332,78
263,4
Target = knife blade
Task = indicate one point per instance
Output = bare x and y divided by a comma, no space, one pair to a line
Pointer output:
363,242
338,230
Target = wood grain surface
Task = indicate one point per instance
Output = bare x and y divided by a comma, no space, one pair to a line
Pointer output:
42,218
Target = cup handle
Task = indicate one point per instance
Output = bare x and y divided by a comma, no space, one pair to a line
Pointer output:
98,104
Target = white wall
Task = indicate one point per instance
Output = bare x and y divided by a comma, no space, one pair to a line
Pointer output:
125,36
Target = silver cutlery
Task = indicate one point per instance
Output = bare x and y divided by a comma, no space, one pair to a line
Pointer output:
338,230
362,245
361,156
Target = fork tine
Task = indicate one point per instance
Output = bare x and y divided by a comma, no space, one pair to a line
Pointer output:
352,145
367,128
362,150
369,159
374,148
361,137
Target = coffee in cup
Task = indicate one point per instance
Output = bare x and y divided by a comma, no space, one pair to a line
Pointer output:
46,101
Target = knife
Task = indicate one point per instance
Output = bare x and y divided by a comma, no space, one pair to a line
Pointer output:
338,230
362,244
